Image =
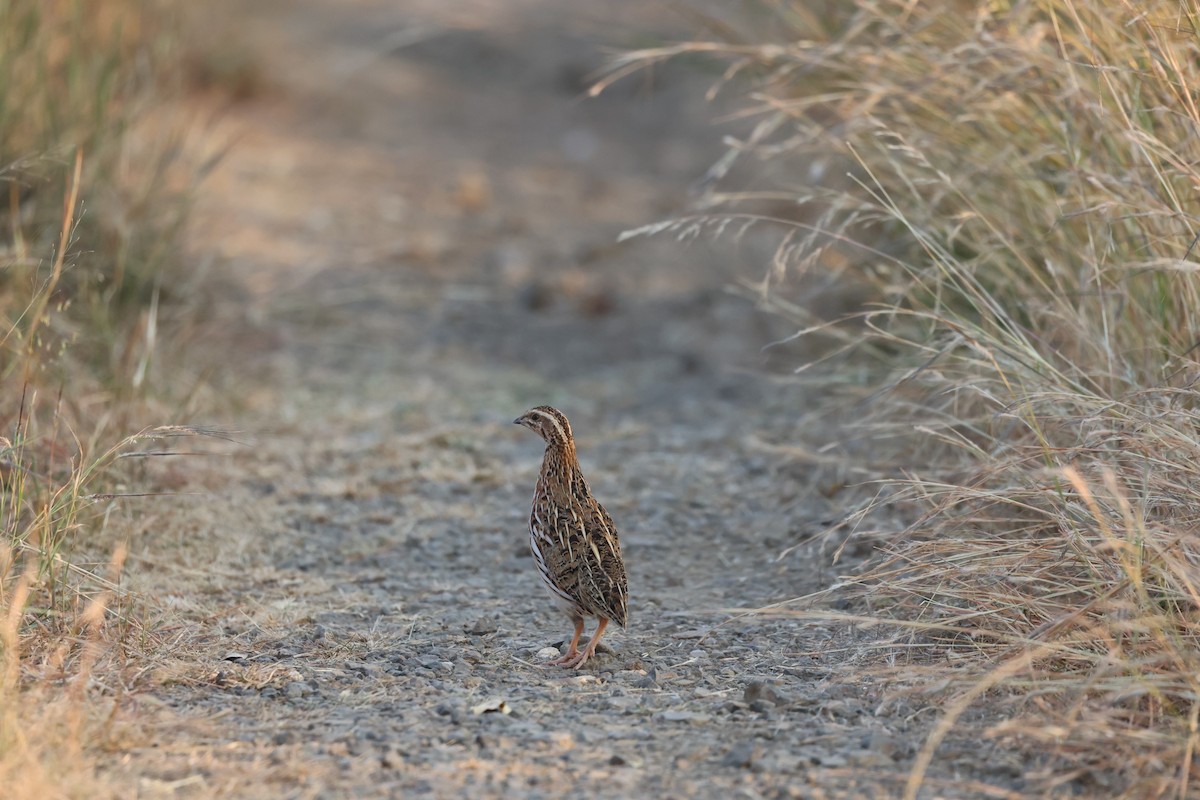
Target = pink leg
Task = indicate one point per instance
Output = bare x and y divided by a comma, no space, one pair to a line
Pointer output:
581,659
573,650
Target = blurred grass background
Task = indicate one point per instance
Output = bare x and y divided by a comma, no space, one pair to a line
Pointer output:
88,228
91,291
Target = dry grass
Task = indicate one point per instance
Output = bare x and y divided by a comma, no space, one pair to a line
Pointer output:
1020,205
87,230
85,249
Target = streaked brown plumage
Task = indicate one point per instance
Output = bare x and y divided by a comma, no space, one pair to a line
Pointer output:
573,539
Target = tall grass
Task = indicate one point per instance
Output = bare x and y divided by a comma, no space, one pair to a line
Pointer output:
87,230
85,233
1020,201
77,76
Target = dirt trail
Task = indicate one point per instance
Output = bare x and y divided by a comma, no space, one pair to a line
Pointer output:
423,211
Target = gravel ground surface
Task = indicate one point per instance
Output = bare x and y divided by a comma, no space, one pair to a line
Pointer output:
422,211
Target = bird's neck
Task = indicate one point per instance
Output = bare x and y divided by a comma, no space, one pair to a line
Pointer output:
560,468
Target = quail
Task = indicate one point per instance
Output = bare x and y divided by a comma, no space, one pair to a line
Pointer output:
573,539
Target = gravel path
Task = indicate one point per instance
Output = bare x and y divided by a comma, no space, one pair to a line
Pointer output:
423,213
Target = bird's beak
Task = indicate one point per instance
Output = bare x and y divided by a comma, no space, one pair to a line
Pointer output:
517,421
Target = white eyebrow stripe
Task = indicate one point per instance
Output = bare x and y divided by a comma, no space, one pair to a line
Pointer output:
554,420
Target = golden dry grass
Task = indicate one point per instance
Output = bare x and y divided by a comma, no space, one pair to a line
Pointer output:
1019,204
87,230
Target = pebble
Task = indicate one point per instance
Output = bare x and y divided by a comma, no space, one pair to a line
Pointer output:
584,680
871,759
683,716
623,703
493,705
741,756
649,681
890,746
758,694
363,668
391,758
445,709
483,627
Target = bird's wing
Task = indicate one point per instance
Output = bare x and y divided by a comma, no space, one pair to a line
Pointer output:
604,571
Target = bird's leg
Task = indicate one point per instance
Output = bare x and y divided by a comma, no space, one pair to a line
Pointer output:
590,650
573,650
580,658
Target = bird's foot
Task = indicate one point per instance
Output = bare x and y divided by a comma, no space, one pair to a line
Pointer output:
572,660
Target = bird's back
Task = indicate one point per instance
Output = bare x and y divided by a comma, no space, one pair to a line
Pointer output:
578,551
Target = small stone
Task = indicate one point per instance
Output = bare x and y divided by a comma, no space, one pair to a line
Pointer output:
741,756
449,710
622,703
493,705
759,694
483,627
698,633
616,761
888,745
295,690
548,653
871,759
647,681
535,296
597,302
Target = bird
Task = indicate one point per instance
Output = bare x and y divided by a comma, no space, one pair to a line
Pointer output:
573,539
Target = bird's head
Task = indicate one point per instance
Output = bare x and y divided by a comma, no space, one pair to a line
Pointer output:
549,423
